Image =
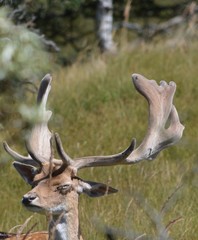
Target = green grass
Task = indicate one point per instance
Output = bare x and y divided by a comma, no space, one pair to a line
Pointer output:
97,111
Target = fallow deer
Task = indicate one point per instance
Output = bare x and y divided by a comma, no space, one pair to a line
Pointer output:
55,184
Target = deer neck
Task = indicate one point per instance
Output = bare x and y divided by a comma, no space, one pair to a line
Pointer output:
65,226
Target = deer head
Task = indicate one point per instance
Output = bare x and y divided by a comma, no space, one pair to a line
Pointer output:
55,183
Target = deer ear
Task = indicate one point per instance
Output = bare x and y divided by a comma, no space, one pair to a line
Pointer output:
26,171
95,189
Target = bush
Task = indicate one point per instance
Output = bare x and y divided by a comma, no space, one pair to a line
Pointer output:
22,55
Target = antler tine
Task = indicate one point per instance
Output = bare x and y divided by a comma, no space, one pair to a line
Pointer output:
38,159
161,108
175,126
18,157
67,161
63,155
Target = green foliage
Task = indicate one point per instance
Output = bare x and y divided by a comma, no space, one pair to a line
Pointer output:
67,23
22,56
97,111
71,24
23,62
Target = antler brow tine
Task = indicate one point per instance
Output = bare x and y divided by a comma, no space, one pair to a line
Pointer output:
18,157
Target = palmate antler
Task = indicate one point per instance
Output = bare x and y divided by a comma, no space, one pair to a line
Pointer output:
39,137
158,136
161,111
38,140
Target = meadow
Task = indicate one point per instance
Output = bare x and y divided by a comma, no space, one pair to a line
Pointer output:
97,111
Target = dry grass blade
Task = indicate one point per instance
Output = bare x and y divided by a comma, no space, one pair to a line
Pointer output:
173,222
22,227
171,199
29,231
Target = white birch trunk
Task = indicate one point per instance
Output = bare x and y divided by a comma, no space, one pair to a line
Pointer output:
104,20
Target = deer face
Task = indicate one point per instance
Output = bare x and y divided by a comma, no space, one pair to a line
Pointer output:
60,193
52,194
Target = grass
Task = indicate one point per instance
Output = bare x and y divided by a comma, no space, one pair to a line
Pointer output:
97,111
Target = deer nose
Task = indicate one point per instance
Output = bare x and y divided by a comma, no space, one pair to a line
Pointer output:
26,200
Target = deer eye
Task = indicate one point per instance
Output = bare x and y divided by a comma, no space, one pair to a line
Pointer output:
63,189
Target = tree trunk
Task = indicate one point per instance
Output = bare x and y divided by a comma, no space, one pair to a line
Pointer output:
104,23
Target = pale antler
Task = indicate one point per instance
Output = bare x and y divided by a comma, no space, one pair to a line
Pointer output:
39,138
158,137
161,112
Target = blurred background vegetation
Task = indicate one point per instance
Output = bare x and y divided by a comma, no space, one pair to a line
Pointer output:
97,111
